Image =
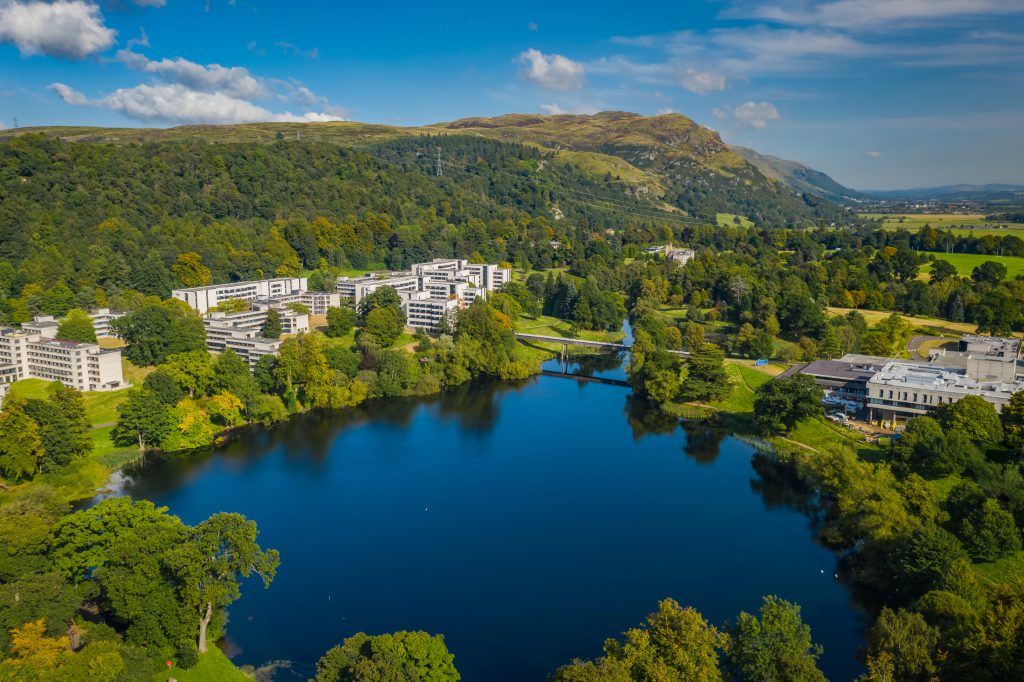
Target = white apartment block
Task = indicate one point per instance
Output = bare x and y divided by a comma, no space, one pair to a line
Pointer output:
240,332
204,298
101,319
423,311
26,354
358,288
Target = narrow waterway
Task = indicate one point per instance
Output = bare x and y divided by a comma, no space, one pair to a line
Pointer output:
526,522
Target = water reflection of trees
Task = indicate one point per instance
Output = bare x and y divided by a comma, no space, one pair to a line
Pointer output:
592,363
646,418
703,441
780,487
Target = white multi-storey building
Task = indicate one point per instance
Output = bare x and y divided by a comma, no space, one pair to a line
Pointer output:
423,311
101,319
358,288
204,298
26,354
240,332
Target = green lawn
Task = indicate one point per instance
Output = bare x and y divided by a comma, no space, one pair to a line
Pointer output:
966,262
545,325
213,666
134,374
728,220
100,407
745,381
972,225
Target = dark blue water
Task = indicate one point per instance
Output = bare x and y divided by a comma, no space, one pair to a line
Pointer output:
526,523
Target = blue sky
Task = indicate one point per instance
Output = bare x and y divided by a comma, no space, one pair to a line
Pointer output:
878,93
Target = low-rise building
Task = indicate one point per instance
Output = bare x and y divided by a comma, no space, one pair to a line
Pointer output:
28,354
902,390
101,319
204,298
424,311
358,288
241,332
896,390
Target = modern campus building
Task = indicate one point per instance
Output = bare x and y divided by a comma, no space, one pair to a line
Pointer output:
46,325
894,390
204,298
241,332
431,290
28,354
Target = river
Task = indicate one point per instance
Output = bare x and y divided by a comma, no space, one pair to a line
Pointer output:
526,522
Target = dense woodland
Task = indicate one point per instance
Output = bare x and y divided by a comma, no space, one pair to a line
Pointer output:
115,588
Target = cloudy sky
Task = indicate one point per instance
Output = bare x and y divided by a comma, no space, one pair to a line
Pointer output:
878,93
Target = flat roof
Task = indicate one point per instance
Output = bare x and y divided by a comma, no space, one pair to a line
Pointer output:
928,377
237,284
835,369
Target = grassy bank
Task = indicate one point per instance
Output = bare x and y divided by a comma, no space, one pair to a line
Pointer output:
966,262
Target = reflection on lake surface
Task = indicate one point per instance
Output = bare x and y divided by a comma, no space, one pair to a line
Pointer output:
526,522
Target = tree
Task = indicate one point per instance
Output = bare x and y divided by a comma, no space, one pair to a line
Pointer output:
382,297
143,420
1012,418
762,346
271,328
35,656
20,445
210,564
298,308
161,384
781,403
385,324
990,272
46,595
399,656
905,638
63,426
190,271
927,557
159,329
77,326
976,418
987,531
706,378
693,336
192,371
942,270
777,646
340,321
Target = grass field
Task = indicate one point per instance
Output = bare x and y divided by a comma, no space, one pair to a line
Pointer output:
966,262
931,325
100,407
960,224
745,381
728,220
552,326
213,666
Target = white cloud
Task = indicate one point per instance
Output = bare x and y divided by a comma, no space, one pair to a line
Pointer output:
873,154
720,112
756,114
72,29
555,110
532,26
298,51
141,41
701,82
149,3
235,81
665,111
864,14
177,103
551,71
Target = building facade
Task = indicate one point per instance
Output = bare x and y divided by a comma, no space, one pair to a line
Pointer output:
203,299
27,354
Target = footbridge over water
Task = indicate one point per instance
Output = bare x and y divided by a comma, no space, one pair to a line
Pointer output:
565,343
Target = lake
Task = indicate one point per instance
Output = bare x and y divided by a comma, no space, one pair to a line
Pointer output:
526,522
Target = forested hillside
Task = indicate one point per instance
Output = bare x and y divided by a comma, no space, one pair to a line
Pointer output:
96,218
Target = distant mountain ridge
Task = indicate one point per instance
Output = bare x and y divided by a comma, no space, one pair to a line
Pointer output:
951,192
799,177
668,160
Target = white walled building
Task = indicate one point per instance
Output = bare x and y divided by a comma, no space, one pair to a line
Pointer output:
101,319
204,298
423,311
240,332
27,354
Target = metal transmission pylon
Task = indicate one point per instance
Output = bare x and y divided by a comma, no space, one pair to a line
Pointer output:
437,164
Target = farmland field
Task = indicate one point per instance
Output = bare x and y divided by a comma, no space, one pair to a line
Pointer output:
966,262
961,224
